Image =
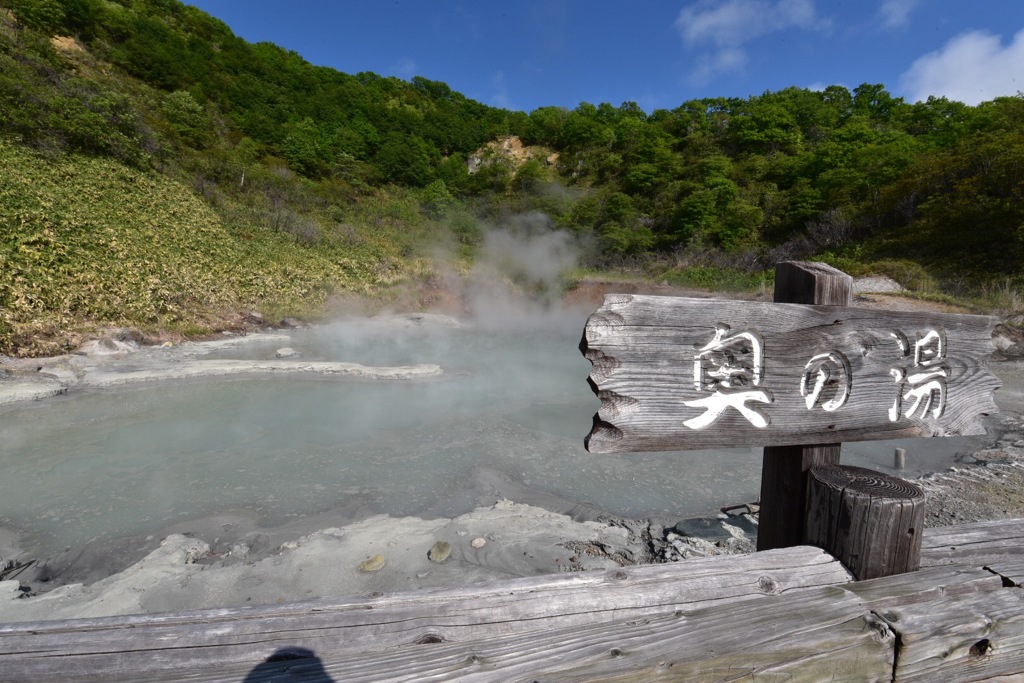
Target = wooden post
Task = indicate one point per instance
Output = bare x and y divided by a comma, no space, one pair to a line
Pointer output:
784,468
869,521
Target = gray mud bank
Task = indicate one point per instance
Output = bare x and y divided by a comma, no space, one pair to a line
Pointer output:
112,362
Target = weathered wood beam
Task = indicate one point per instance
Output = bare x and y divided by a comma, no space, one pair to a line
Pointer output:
979,544
784,468
961,638
794,640
812,282
1009,570
787,614
193,641
924,586
784,490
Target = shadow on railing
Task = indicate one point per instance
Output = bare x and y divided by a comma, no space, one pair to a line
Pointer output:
290,664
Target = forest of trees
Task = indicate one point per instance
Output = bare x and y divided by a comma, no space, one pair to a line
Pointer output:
854,176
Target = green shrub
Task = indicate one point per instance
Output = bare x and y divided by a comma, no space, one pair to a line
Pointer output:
908,273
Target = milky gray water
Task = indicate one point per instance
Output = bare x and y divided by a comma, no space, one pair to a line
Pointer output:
98,465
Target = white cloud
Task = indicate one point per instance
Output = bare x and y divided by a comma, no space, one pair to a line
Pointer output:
729,25
971,68
896,13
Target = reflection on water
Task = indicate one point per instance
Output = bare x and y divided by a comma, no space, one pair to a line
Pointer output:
93,466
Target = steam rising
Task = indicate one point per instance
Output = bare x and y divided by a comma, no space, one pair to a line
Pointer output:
531,252
517,278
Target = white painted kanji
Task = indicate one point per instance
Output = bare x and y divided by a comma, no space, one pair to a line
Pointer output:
730,368
923,384
827,375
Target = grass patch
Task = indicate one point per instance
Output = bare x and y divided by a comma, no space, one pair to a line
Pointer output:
87,242
719,279
712,278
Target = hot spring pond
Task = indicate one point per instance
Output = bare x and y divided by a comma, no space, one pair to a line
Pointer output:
97,465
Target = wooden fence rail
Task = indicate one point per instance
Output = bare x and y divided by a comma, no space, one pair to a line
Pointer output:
792,614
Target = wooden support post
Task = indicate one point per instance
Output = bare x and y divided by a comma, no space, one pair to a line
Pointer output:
899,460
869,521
784,468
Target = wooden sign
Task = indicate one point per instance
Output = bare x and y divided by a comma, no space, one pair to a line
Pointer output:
677,373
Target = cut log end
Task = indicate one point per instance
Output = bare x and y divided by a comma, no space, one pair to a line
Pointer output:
869,521
862,481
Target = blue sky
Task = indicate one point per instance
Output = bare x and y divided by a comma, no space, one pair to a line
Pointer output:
536,53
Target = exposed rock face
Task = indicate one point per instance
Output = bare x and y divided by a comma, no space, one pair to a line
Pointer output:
876,284
107,346
512,150
1008,338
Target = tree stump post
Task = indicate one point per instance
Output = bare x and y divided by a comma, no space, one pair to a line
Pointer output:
869,521
784,468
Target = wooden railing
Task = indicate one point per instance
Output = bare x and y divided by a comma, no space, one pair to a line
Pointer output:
792,614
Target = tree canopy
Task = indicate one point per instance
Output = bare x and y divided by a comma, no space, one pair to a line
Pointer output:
792,173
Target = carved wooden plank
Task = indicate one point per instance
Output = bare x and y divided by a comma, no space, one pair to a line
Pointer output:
677,373
195,641
962,638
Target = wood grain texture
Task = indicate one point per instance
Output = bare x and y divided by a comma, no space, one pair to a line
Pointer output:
784,468
924,586
980,543
869,521
795,641
803,282
962,638
1010,570
789,615
643,351
784,490
91,648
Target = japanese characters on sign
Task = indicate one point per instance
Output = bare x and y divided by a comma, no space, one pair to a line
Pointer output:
829,371
730,370
676,373
729,367
925,380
